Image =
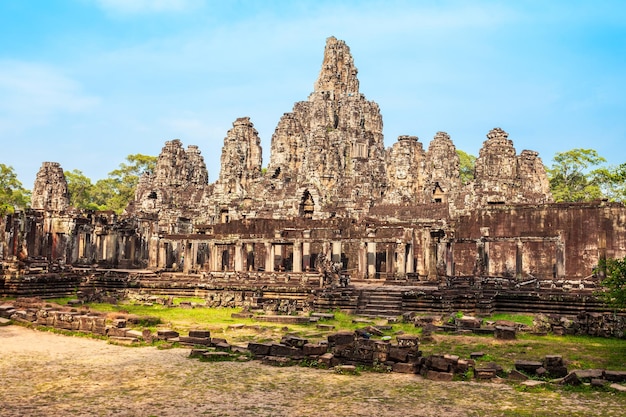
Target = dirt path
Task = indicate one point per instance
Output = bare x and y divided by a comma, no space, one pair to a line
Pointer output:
44,374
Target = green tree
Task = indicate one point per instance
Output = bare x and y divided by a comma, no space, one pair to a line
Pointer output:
466,168
614,281
118,190
12,194
571,177
81,190
612,182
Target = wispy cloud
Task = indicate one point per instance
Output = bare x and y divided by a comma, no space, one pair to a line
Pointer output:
138,7
32,94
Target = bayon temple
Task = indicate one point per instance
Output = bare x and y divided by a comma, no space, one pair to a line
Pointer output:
335,220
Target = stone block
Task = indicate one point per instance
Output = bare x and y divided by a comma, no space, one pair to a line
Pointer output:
618,387
505,333
569,379
278,349
467,322
311,349
398,353
167,334
259,349
557,371
589,374
552,360
326,359
484,373
476,355
599,382
196,353
408,341
529,367
615,376
200,333
216,356
218,340
294,341
462,366
437,363
340,338
276,361
533,383
187,340
439,376
404,368
223,346
515,375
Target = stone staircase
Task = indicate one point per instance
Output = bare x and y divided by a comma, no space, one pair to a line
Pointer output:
383,301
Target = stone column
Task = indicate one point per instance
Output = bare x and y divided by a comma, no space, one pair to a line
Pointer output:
239,257
449,259
371,254
153,252
560,256
306,250
297,256
336,252
519,256
269,257
401,261
362,272
186,262
410,259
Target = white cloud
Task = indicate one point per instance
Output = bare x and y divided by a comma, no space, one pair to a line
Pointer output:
31,94
135,7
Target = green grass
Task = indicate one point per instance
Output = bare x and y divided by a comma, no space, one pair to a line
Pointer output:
526,319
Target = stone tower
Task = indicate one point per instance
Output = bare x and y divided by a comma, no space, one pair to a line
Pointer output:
50,191
331,146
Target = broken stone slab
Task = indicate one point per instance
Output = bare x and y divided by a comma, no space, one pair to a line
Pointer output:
437,363
294,341
199,333
533,383
134,333
167,334
278,349
277,361
515,375
4,321
187,340
505,333
552,361
467,322
314,349
215,356
439,376
346,369
588,374
196,353
326,359
325,327
408,340
404,368
242,315
259,349
569,379
340,338
476,355
398,353
484,373
599,382
223,346
618,387
122,340
324,316
557,371
615,376
530,367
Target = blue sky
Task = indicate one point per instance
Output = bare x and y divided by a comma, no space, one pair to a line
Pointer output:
88,82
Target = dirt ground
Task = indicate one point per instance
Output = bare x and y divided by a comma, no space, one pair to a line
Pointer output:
45,374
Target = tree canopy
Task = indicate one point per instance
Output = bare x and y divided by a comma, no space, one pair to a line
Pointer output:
614,281
12,194
111,193
466,169
578,175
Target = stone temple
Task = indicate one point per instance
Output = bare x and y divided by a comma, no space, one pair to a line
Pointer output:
335,220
